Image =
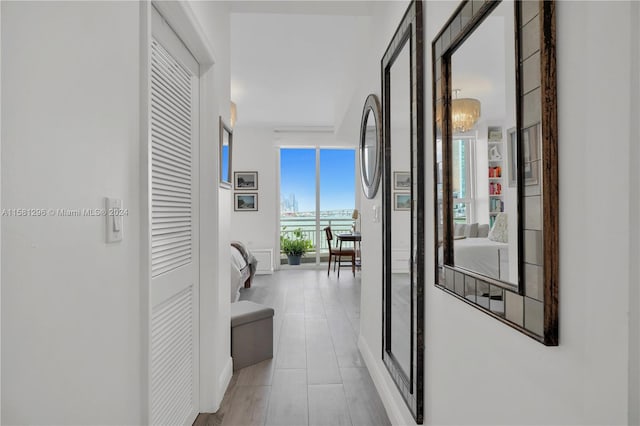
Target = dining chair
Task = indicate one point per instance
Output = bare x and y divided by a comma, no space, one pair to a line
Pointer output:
337,254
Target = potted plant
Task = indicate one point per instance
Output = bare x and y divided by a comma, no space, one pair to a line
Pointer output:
294,247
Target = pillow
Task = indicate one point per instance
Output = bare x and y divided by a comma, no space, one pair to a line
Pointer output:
483,230
499,231
471,230
458,229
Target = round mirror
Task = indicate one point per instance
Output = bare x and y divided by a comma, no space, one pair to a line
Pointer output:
370,146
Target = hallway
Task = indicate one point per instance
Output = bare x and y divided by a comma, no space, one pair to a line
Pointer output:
316,376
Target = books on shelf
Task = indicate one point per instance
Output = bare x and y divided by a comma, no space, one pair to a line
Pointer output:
496,205
495,172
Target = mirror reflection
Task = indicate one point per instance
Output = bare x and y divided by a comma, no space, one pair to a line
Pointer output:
400,157
369,147
226,144
485,199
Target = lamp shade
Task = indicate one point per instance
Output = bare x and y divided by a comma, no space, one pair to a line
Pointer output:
356,214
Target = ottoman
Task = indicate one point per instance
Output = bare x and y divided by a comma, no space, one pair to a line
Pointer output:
251,333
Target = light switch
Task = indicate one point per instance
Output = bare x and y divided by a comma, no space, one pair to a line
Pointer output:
376,214
114,214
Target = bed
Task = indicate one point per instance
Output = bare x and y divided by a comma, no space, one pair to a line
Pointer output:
243,268
483,256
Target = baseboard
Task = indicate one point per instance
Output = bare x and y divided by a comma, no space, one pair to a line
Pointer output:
385,387
223,381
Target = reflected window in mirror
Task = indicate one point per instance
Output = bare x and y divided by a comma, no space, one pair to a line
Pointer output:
495,131
225,154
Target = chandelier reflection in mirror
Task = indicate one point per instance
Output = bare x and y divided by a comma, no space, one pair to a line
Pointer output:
465,113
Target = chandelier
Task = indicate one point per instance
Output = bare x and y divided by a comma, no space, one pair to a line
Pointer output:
464,113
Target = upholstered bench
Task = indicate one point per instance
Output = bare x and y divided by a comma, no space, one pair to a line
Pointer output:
251,333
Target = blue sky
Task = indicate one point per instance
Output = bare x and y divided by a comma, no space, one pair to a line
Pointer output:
337,177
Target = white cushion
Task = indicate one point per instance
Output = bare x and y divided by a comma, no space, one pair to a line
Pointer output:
471,231
500,230
483,230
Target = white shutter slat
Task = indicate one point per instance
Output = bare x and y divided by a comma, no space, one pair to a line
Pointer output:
171,163
171,363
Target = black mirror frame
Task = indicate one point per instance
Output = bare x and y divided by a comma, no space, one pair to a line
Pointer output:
370,184
225,183
409,31
453,280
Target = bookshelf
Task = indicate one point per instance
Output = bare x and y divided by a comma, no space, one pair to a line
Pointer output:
496,157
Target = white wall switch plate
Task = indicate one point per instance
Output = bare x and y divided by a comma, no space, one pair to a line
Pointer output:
114,214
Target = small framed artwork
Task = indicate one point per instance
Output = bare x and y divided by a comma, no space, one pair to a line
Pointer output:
530,156
245,181
245,202
226,151
401,201
401,180
494,134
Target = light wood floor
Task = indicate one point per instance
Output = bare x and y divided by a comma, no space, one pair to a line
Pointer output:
316,376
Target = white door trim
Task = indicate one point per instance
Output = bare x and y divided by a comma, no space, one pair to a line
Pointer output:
183,21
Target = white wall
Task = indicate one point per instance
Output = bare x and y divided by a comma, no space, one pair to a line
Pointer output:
258,149
215,361
479,371
71,329
634,226
384,21
72,311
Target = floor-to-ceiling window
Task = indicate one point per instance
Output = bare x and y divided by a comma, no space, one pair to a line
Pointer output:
461,180
317,189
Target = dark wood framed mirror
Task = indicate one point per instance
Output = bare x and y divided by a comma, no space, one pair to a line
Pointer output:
403,209
371,146
225,154
495,162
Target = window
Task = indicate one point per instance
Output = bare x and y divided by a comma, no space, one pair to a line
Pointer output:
461,180
317,189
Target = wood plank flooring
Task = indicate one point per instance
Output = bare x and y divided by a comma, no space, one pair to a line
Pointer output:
317,376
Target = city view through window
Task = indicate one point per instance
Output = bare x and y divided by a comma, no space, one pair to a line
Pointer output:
299,193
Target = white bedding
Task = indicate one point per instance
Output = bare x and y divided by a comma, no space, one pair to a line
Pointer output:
239,272
483,256
237,260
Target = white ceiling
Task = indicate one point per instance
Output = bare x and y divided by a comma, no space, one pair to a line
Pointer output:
292,62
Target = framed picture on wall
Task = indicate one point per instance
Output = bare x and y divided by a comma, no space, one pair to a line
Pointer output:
401,180
245,202
494,134
530,156
245,181
401,201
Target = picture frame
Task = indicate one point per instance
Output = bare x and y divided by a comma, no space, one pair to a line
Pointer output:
401,201
401,180
245,181
245,202
530,156
494,134
225,153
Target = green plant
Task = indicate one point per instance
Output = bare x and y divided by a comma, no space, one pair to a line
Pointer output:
296,245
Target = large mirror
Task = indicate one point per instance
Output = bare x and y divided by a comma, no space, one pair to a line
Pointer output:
496,164
226,145
371,146
403,210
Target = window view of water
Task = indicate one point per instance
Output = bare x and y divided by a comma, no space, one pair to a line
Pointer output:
298,193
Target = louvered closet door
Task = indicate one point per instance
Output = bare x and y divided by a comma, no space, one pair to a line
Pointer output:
174,250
